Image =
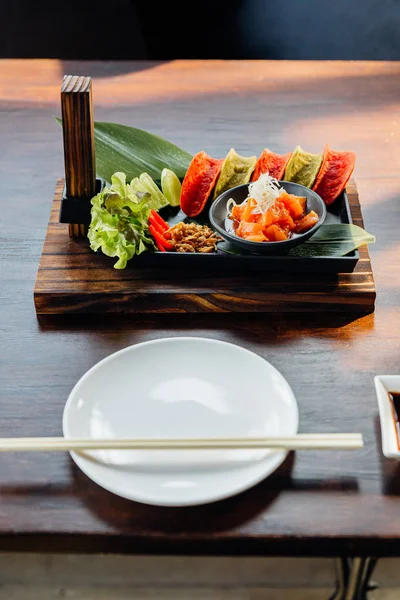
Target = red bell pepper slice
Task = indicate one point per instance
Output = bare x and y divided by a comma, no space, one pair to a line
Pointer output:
160,248
159,220
156,225
160,238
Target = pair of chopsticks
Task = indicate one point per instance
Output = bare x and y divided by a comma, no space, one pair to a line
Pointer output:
301,441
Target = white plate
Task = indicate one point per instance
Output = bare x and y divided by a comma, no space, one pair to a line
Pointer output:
383,385
180,387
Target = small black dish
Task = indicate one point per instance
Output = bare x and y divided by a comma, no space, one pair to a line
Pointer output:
218,216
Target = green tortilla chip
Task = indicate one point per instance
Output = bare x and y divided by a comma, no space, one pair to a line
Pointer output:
303,167
235,170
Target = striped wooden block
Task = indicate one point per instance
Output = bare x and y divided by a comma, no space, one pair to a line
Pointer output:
73,279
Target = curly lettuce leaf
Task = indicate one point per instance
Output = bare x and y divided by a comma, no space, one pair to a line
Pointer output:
119,222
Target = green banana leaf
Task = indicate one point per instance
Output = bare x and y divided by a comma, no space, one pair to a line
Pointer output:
135,151
334,240
329,240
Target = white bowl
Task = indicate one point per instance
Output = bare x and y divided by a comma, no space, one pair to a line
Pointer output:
173,388
383,385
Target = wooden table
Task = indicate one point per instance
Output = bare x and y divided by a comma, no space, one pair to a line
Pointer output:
317,503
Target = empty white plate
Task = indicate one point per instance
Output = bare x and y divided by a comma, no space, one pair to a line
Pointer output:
384,385
180,387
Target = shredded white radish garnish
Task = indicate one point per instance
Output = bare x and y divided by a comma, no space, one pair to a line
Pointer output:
264,191
230,204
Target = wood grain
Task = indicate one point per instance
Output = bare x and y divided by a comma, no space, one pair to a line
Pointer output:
78,137
316,503
72,280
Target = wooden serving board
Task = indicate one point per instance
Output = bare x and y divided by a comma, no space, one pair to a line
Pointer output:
73,279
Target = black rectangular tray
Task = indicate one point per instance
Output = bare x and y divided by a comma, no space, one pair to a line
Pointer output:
225,260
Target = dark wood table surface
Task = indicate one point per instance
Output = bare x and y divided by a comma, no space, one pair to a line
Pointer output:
317,503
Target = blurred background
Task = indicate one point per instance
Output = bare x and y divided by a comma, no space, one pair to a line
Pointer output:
128,29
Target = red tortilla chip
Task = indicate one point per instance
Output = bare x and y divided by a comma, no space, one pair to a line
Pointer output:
274,164
198,183
335,172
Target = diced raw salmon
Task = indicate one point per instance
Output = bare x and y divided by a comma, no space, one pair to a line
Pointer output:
259,237
292,204
245,229
272,215
250,205
285,220
303,202
275,233
237,212
307,222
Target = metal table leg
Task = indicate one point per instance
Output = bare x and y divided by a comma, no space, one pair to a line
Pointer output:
342,569
353,578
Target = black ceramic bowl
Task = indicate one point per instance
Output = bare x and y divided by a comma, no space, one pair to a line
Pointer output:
218,216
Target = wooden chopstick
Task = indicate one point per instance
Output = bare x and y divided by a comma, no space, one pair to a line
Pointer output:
302,441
